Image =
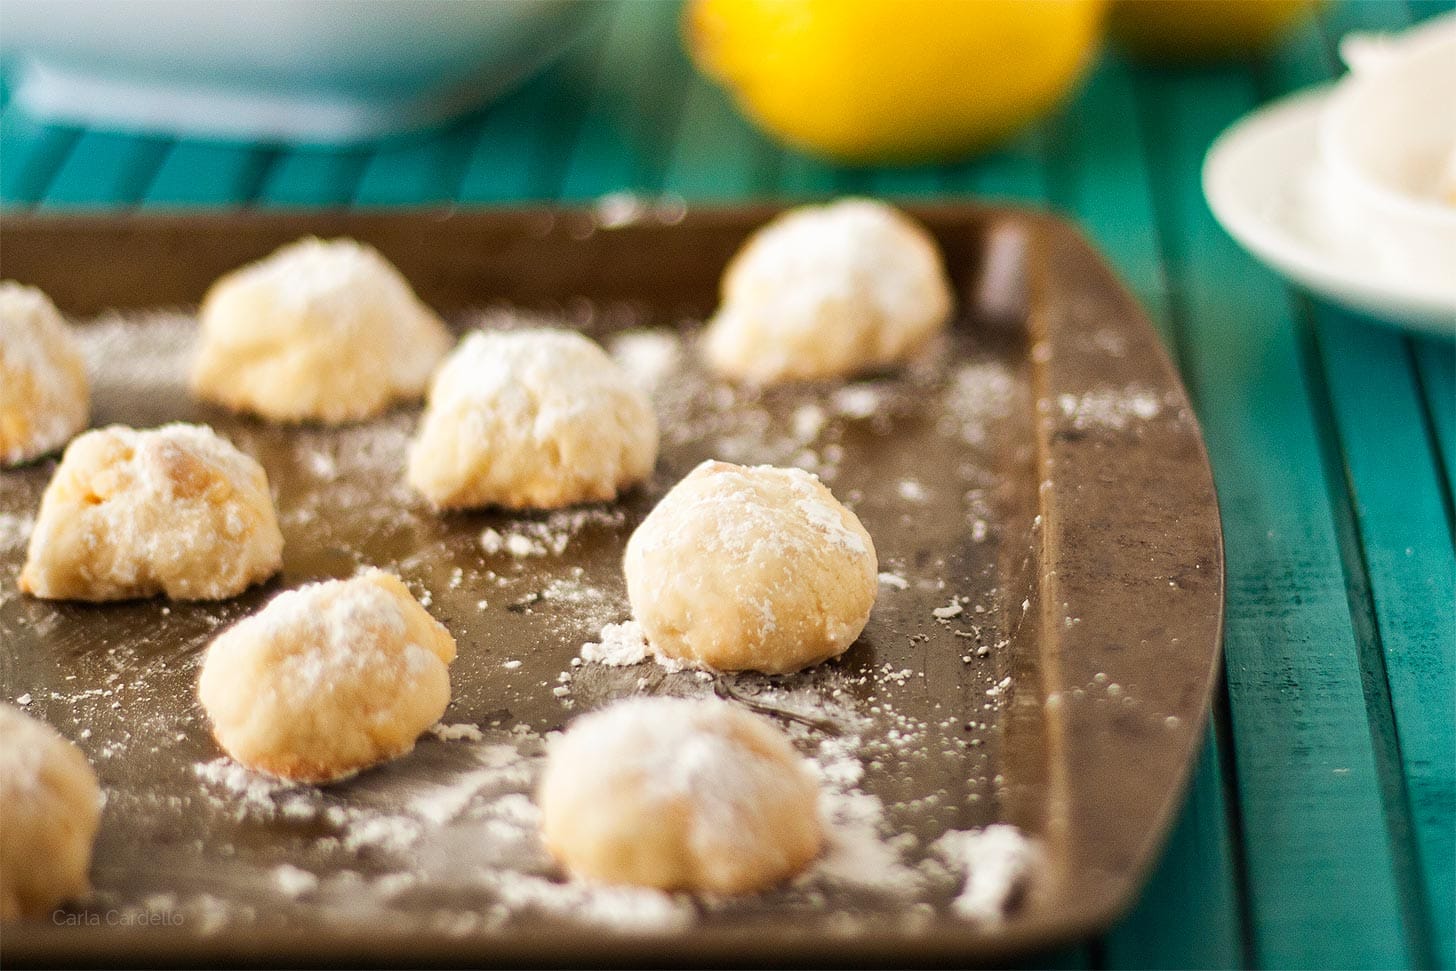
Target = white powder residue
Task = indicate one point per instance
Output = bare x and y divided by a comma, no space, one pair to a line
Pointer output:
293,882
622,645
808,421
622,908
648,356
858,850
857,401
15,530
150,354
894,580
551,536
980,394
516,544
998,862
253,793
952,609
625,644
452,733
1109,409
911,491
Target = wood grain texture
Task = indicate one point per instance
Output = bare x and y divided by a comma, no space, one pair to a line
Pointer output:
204,174
105,170
1392,521
1308,784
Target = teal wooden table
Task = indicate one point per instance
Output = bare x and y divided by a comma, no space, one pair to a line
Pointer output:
1318,830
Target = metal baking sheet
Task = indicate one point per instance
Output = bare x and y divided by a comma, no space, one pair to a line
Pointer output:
1041,470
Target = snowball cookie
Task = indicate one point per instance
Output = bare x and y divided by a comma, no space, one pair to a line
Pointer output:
679,794
173,510
325,331
52,806
828,291
531,419
756,569
328,679
44,396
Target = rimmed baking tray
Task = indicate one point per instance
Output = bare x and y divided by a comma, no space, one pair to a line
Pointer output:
1042,652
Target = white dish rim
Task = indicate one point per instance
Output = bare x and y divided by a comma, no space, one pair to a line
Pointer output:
1395,301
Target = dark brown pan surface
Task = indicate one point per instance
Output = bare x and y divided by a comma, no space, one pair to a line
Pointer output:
1042,469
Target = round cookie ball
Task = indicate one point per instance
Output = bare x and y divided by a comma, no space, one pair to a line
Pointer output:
756,569
826,292
319,331
679,794
44,395
328,679
174,510
531,419
52,807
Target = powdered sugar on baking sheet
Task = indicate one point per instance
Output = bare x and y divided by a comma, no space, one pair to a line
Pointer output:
1109,409
15,530
444,840
148,354
998,862
621,645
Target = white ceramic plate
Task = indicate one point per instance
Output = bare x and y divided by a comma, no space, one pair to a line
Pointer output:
1261,178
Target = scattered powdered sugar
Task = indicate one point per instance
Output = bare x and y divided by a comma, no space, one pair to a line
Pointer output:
979,393
622,908
952,609
139,355
519,544
648,356
621,645
15,530
626,644
894,580
1110,409
548,536
293,882
998,862
857,400
453,733
446,839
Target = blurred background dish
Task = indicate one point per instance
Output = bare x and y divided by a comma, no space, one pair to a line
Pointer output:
301,70
1338,189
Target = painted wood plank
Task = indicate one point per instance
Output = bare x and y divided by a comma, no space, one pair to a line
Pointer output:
625,136
1303,756
1189,915
717,156
1396,543
1097,169
30,154
105,169
209,174
1407,555
802,176
907,182
1436,365
523,142
313,177
1013,173
1425,9
419,169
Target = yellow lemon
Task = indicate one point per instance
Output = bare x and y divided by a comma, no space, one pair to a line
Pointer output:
894,80
1199,30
